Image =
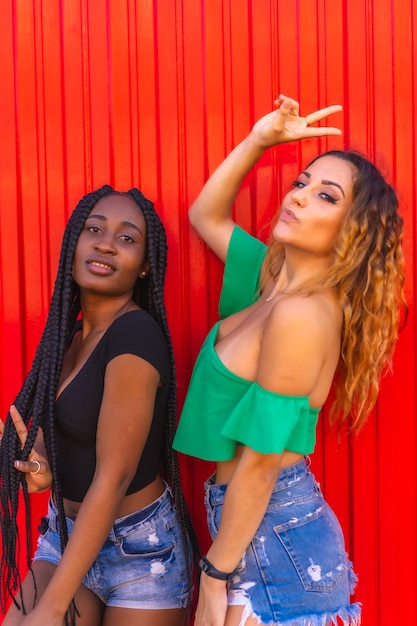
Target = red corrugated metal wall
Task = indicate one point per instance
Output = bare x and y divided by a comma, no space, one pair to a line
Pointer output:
154,94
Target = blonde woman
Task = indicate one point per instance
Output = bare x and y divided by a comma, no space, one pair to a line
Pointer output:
318,306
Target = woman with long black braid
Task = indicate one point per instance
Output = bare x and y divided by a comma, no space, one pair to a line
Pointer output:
94,420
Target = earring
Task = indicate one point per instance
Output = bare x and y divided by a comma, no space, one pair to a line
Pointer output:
142,274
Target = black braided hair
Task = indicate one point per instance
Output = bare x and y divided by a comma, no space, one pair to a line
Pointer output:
150,296
36,399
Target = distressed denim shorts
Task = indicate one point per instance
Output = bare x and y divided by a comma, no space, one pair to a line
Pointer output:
142,564
295,571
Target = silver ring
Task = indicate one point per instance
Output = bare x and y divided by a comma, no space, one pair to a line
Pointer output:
39,467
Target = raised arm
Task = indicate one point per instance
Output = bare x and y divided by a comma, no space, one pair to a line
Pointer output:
210,214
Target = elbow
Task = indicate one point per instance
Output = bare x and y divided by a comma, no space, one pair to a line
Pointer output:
116,482
265,467
269,473
193,215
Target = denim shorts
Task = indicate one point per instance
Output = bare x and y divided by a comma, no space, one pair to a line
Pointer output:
142,564
295,571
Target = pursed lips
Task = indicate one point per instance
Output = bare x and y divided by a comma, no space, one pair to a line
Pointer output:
288,216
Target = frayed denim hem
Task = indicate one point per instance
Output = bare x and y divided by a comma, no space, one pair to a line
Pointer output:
353,580
347,616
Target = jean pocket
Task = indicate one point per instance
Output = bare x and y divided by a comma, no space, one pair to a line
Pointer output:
43,526
151,545
314,542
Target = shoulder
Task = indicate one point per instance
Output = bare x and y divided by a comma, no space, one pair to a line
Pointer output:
136,321
318,313
300,341
138,333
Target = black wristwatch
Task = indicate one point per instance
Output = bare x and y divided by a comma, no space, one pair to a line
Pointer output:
212,571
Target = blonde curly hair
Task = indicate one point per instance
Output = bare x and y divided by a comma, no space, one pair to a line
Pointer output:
367,274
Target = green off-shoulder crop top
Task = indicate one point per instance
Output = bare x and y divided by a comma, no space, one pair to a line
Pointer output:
222,409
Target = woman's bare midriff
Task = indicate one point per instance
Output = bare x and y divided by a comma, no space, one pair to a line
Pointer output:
130,504
225,469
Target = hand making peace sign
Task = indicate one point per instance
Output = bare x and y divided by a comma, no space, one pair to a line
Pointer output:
36,468
285,123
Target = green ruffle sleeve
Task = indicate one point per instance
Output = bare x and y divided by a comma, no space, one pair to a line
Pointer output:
269,422
241,273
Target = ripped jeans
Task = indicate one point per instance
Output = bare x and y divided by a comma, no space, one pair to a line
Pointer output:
142,564
295,571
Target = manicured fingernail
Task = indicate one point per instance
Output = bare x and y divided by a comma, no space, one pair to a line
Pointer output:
18,464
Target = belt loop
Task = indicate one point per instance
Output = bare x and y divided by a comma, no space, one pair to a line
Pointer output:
113,537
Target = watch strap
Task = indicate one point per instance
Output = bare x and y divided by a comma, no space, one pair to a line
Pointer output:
209,569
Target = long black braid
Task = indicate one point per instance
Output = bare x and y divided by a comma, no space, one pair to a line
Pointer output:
151,298
36,399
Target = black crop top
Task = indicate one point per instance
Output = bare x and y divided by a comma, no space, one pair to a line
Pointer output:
78,406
